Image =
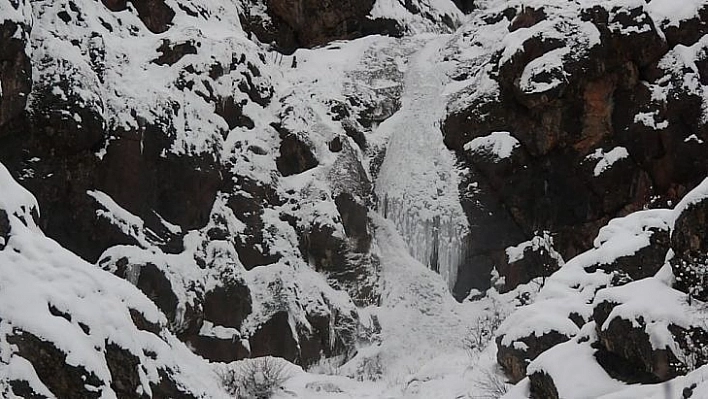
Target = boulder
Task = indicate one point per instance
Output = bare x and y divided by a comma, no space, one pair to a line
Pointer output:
296,156
514,358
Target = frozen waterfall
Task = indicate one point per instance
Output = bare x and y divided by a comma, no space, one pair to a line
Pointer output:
417,186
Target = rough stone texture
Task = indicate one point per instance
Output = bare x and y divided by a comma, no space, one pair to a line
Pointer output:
15,72
269,339
288,25
308,23
295,155
124,369
219,349
690,235
542,386
66,381
229,304
514,361
689,241
4,229
643,263
50,364
631,357
248,201
535,262
171,52
549,183
155,14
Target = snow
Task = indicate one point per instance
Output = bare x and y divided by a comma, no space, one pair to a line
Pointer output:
417,184
499,145
648,119
572,288
542,242
672,13
657,305
440,11
420,347
698,194
574,369
579,36
128,223
605,160
37,274
16,200
550,63
693,137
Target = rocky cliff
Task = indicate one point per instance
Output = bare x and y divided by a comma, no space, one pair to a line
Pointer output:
214,178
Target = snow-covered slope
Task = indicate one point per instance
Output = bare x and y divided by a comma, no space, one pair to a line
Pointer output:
68,329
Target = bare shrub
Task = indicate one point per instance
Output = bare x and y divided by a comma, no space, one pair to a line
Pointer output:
491,384
482,332
327,366
369,369
256,378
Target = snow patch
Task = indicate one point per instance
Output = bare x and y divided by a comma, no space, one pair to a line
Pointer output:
605,160
499,145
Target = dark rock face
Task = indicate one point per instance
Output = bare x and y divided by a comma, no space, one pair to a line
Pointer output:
355,220
309,23
690,244
317,22
124,367
50,364
270,340
514,361
295,156
538,259
228,305
690,235
4,229
15,71
542,386
567,118
156,284
291,25
155,14
171,53
634,359
218,349
248,202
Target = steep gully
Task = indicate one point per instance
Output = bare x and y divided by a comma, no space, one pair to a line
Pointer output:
416,187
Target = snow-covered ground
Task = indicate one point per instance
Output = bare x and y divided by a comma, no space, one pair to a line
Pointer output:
422,350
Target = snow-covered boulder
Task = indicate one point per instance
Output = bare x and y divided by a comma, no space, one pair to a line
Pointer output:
651,331
642,325
626,249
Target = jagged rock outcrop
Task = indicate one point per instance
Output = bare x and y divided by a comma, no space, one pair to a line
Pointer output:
163,156
307,23
596,122
629,324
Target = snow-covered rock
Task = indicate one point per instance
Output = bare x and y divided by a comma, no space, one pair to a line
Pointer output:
70,329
